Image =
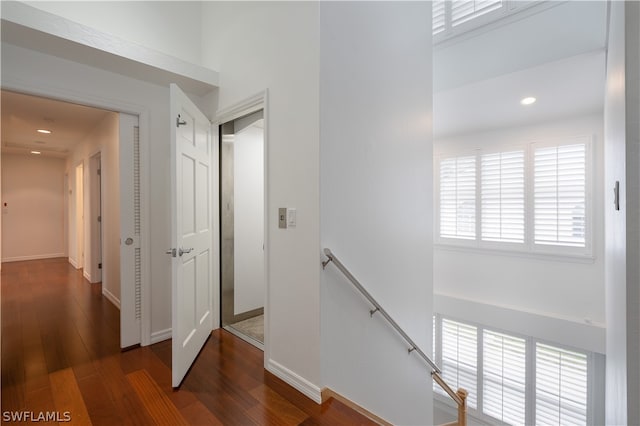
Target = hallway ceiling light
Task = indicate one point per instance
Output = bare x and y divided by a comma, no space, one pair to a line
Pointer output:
44,131
528,101
36,152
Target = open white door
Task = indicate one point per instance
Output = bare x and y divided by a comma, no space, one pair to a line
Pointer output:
191,283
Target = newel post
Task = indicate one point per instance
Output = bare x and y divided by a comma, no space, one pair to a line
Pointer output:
462,408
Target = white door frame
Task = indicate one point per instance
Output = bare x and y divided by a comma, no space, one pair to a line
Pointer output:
96,244
259,101
116,105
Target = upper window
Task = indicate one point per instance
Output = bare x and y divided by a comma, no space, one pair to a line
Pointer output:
502,194
454,17
535,198
560,195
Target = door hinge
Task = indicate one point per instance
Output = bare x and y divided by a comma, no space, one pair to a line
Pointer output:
99,218
99,172
99,265
180,122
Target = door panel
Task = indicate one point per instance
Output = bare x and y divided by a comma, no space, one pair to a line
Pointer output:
130,230
192,317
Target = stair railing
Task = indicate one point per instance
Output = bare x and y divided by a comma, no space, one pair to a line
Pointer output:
460,396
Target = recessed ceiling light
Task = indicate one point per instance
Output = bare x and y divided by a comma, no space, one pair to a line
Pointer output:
44,131
528,101
36,152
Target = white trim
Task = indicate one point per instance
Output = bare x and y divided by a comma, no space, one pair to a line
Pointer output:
247,106
568,332
111,297
256,102
159,336
293,379
73,262
145,235
119,55
35,257
86,275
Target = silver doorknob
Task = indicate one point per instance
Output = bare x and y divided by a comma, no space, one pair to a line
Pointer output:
171,251
182,251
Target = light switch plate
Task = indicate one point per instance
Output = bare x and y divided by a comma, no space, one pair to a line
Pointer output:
291,218
282,218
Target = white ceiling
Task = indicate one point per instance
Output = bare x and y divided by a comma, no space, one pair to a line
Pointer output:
23,115
554,52
566,88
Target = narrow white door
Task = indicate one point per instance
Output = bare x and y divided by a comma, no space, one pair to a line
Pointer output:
192,316
130,230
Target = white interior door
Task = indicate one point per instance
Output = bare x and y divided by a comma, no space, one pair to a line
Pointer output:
192,310
130,230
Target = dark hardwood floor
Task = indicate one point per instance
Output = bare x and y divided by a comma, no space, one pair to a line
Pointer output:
60,354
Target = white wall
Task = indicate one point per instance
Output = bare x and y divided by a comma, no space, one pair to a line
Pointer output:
622,228
275,46
33,222
104,139
248,220
562,288
170,27
29,71
376,187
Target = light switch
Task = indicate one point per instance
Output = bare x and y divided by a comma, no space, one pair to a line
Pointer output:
282,218
291,218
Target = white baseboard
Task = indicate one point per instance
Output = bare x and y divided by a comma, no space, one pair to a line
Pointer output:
113,299
33,257
159,336
73,263
298,382
86,275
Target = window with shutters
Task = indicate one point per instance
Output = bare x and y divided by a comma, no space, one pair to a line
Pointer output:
561,386
458,197
514,379
459,357
560,195
453,17
535,198
502,196
504,377
464,10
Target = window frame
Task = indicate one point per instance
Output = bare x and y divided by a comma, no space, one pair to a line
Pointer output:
527,248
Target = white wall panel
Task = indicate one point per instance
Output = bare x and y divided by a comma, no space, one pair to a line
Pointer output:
33,219
376,202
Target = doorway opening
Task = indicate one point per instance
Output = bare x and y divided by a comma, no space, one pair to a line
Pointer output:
81,147
242,231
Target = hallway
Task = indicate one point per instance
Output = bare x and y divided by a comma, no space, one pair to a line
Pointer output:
60,354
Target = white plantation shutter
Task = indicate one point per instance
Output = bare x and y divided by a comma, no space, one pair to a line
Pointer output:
502,196
438,18
459,358
465,10
504,377
560,195
561,386
458,197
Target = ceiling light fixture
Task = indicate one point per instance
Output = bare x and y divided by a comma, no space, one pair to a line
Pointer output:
36,152
44,131
528,101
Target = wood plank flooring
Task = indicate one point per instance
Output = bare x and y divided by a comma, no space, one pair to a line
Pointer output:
61,355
